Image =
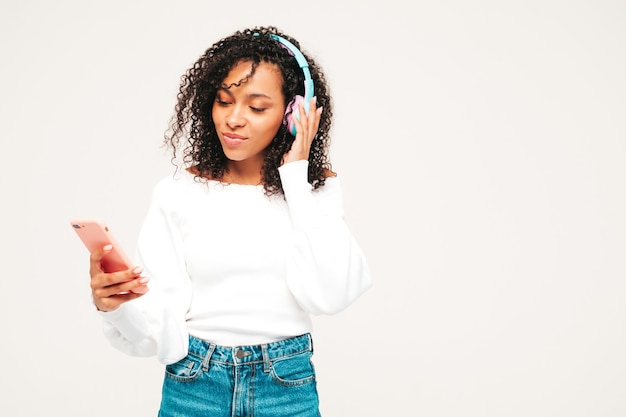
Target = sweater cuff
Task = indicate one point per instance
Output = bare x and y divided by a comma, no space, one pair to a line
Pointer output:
112,316
294,178
128,321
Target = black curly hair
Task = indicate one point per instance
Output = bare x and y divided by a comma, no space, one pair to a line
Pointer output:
192,130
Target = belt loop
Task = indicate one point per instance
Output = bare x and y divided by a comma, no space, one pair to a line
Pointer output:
310,342
266,359
207,357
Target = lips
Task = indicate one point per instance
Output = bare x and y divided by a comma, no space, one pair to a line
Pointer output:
233,139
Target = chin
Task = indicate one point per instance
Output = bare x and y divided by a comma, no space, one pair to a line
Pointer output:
234,156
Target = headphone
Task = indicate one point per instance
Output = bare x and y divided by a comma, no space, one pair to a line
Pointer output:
308,84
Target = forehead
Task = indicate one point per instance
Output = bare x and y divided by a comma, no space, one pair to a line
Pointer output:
267,77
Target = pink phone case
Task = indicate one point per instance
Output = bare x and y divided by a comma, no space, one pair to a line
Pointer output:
95,234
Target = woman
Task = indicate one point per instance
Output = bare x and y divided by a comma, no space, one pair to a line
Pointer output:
244,243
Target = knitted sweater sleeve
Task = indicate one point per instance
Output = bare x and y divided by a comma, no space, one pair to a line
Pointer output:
154,324
327,270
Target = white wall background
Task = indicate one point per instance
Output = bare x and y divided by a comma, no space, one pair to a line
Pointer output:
482,149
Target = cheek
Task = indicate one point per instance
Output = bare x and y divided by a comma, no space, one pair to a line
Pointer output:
274,124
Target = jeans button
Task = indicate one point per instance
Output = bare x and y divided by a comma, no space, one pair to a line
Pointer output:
240,354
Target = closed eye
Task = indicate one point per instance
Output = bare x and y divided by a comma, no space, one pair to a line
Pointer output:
257,109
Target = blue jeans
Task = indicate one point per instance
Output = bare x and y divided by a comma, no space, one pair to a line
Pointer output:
275,379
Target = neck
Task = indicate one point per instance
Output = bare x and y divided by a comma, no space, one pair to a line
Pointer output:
242,173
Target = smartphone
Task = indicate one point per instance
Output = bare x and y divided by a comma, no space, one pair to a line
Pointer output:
95,234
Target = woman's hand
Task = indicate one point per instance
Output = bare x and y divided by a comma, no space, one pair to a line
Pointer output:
306,129
110,290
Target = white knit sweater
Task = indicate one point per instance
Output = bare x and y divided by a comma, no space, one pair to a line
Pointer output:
232,266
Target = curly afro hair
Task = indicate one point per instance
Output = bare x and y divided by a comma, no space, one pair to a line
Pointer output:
192,131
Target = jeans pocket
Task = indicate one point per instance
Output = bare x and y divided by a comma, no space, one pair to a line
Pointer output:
294,370
185,370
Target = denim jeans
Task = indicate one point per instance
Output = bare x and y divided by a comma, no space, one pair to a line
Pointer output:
274,379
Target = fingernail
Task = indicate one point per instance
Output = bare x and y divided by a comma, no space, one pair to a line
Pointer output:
143,280
108,247
138,270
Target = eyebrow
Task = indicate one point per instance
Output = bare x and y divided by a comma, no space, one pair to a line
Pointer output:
258,95
249,96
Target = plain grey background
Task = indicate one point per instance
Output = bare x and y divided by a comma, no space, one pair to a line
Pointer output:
482,149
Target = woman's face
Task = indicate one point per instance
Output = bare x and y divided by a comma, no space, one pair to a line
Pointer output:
248,116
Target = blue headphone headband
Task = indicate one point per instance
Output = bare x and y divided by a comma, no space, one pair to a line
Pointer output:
296,54
304,65
308,81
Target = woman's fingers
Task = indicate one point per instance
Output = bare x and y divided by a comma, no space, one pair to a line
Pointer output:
306,129
95,259
308,123
113,302
110,290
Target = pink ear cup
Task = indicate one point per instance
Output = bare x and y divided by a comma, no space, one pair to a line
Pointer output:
291,112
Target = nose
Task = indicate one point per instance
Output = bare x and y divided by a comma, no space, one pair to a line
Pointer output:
235,117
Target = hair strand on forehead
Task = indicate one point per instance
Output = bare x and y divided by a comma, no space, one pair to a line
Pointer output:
243,80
